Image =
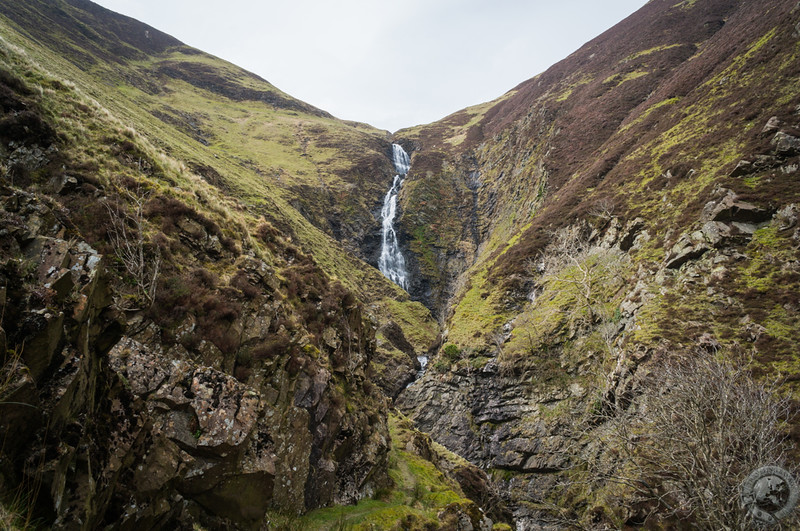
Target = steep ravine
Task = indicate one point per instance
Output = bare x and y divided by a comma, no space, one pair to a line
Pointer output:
229,372
633,206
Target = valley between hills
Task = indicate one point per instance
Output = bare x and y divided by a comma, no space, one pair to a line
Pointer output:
602,269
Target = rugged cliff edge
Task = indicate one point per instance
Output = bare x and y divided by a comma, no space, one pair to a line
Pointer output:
216,401
192,335
634,203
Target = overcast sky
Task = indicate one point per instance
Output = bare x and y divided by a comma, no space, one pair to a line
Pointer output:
392,65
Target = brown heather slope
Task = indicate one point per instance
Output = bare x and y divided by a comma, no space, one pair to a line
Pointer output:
666,151
565,126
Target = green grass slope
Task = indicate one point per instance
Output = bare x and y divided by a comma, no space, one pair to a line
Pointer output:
315,178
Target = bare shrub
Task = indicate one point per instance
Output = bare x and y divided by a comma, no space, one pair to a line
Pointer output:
701,425
573,264
141,261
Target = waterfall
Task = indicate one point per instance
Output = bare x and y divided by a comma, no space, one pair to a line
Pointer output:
391,262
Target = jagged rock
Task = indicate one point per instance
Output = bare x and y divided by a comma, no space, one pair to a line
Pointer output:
50,255
256,326
630,232
202,419
309,389
716,232
210,355
683,251
745,228
731,209
758,164
65,184
143,372
611,235
45,331
785,144
786,217
789,169
195,235
772,125
744,167
226,410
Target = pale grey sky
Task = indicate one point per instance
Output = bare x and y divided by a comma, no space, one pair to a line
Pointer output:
392,65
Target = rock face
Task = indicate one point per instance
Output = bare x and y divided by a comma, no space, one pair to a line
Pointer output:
635,201
127,431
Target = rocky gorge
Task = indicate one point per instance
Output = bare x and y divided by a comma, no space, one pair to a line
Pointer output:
196,333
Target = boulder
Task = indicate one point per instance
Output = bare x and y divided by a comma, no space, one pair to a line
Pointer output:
785,144
683,251
731,209
743,167
772,125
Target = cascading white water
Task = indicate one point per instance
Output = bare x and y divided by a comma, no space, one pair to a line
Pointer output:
391,262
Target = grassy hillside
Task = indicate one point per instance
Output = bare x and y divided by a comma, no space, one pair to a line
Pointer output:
192,333
316,179
647,121
636,202
212,203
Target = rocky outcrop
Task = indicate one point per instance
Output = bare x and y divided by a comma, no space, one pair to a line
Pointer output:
131,431
58,326
496,422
